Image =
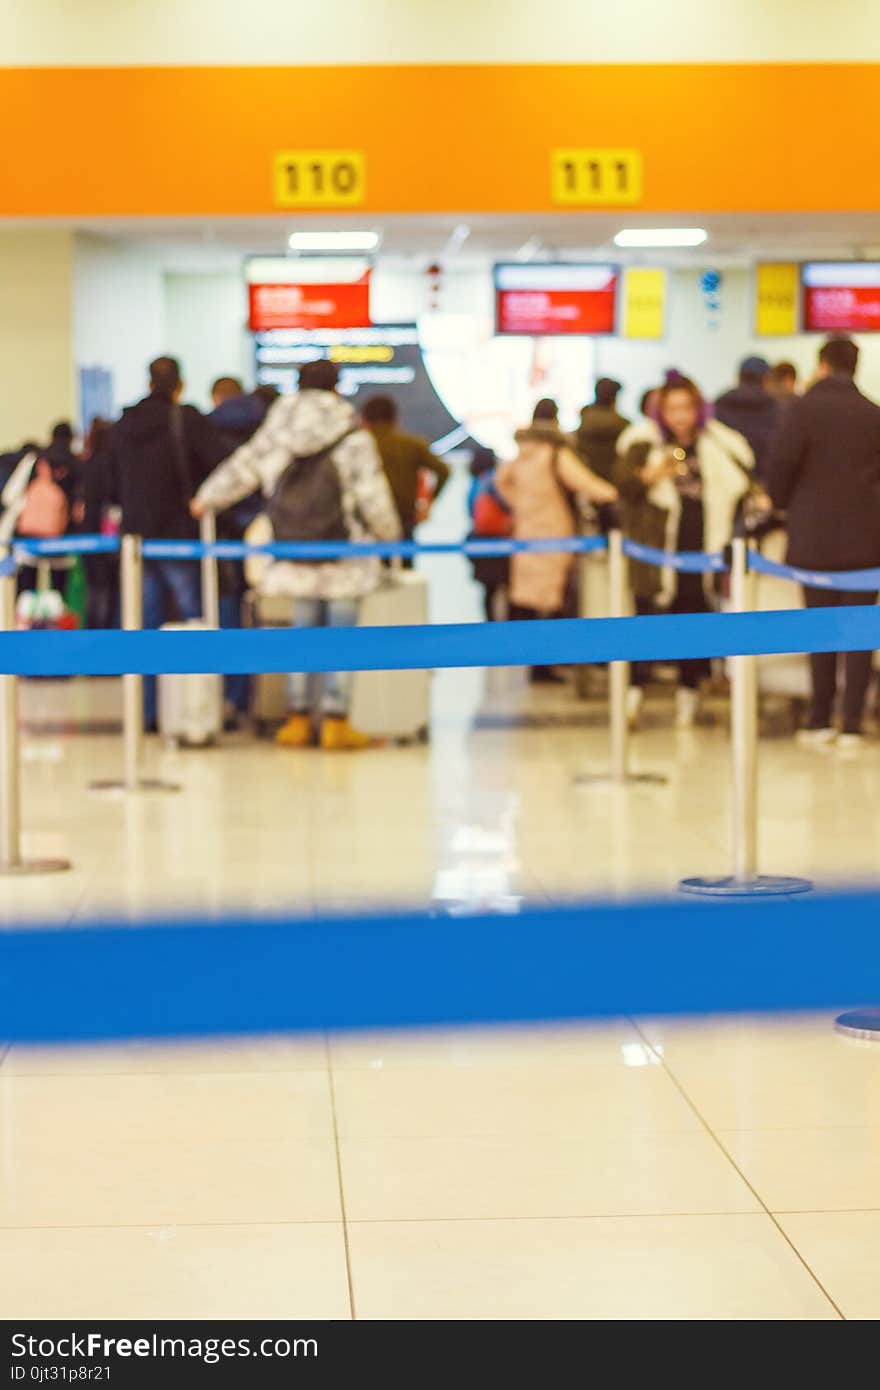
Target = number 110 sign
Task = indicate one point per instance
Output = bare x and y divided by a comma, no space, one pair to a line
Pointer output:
604,178
319,178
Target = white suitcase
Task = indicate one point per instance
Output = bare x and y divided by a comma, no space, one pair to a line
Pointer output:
393,704
786,676
190,707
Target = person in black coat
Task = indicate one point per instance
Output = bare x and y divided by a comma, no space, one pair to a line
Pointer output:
750,410
825,472
159,454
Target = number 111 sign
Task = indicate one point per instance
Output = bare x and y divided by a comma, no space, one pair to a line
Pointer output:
601,178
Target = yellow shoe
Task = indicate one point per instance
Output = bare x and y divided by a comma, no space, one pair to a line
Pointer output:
296,733
337,734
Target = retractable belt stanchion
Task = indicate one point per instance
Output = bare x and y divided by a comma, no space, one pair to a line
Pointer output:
11,858
745,881
132,584
210,575
618,682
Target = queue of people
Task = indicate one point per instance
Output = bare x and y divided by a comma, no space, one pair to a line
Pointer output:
688,474
684,476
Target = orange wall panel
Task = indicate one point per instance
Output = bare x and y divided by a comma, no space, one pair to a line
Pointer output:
200,141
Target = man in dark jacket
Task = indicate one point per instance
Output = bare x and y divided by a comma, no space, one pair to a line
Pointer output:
825,471
159,453
404,457
600,428
236,414
750,409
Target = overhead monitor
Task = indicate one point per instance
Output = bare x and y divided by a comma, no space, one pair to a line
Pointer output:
305,292
543,301
382,360
841,296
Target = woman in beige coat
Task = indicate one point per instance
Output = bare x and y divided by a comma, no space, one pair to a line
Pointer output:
541,486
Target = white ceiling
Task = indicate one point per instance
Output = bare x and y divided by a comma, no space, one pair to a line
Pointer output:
735,238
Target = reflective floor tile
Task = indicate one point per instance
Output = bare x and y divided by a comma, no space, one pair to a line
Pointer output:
688,1267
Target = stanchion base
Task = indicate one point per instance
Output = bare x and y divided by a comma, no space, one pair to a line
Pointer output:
34,866
761,886
593,779
860,1023
146,784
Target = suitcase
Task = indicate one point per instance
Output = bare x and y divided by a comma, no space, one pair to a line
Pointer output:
385,704
268,688
190,707
394,704
784,676
593,602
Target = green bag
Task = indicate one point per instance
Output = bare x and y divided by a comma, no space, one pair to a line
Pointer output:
75,591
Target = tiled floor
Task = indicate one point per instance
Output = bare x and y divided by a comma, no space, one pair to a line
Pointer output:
642,1169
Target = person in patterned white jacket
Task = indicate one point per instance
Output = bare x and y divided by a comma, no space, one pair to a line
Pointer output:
324,593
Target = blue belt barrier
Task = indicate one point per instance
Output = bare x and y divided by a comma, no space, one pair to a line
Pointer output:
66,545
850,581
688,561
350,550
578,640
593,960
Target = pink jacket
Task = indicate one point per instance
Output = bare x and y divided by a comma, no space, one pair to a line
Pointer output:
530,484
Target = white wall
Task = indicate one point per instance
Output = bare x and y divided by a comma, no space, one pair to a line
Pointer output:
205,324
119,312
437,31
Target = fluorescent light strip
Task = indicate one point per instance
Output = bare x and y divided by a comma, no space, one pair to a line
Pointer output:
661,236
333,241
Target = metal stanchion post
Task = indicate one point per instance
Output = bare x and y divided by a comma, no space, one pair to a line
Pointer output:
11,859
743,732
131,567
210,577
618,671
618,681
745,881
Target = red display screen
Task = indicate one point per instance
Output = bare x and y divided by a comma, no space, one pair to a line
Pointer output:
309,306
552,300
841,297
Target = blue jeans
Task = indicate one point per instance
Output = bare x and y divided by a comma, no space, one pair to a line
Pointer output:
164,580
336,685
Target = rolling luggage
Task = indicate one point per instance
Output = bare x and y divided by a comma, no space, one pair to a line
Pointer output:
190,707
393,704
385,704
787,676
268,688
593,601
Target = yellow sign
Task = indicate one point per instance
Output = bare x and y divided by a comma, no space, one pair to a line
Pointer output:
644,303
777,291
601,178
319,178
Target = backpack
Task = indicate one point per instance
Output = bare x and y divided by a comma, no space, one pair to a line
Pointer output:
492,518
307,502
46,511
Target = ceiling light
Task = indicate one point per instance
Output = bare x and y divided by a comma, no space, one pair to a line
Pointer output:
530,249
333,241
661,236
457,238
